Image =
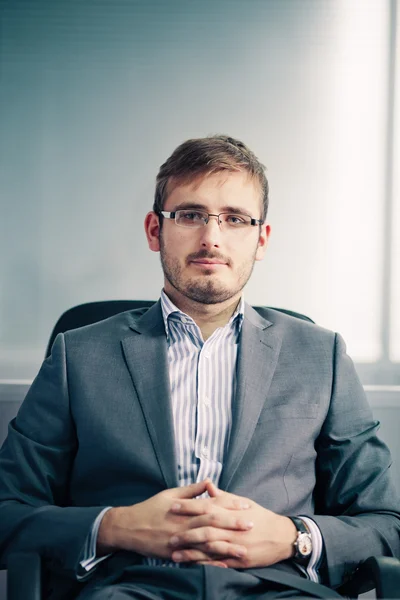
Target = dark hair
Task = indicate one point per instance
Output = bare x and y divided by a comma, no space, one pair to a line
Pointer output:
204,156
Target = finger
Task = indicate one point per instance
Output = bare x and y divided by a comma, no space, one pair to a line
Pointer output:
203,506
235,563
200,535
221,520
222,550
192,555
213,490
213,563
190,491
226,498
211,551
192,507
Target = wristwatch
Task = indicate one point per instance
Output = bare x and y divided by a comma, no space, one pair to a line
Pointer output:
303,544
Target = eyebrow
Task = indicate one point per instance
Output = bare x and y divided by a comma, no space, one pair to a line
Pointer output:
230,208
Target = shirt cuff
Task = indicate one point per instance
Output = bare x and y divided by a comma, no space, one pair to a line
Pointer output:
89,558
311,570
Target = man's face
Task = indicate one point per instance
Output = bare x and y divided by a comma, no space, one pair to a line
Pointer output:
209,264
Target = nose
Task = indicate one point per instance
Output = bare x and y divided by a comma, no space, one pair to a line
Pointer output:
211,233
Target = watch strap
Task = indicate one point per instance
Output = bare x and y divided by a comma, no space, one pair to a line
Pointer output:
300,525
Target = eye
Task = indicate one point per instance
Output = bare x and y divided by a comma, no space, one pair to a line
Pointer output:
236,219
191,215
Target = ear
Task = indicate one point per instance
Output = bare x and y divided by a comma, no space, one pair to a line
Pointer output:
263,241
152,229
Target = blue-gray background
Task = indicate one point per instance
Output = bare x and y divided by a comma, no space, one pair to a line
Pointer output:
95,94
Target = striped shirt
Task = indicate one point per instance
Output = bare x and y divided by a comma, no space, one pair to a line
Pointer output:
203,382
202,378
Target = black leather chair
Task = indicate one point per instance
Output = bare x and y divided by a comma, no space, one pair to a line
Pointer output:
25,571
92,312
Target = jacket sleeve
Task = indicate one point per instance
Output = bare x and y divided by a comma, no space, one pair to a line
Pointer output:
356,502
35,465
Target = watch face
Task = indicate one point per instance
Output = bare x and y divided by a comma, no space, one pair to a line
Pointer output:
304,545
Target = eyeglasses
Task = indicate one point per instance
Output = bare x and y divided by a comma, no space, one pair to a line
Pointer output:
194,219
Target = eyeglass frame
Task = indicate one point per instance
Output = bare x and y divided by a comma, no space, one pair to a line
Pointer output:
172,215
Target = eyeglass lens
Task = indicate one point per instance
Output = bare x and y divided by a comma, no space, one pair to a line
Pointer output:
192,218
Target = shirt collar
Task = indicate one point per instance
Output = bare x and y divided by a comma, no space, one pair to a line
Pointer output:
168,308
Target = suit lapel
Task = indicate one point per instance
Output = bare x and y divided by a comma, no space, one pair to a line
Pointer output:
145,350
257,358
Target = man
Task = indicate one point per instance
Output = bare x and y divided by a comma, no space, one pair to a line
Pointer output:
234,444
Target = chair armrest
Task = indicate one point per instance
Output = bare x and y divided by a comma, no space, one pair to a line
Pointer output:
24,576
379,572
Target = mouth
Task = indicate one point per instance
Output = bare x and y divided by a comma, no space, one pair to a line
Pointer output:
204,262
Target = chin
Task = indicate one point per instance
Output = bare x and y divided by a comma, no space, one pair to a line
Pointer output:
208,293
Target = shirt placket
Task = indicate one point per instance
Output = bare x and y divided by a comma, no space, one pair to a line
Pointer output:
203,446
188,454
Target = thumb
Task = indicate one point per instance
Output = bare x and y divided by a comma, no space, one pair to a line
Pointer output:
227,499
213,490
192,490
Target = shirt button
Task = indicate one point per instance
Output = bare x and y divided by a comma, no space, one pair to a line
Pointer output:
206,354
206,400
204,451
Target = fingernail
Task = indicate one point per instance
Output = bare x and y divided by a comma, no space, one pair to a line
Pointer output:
241,552
249,524
174,541
176,506
245,505
177,556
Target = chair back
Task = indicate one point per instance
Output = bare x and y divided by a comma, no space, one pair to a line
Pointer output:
92,312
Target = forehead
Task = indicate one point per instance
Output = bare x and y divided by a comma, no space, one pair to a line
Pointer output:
216,190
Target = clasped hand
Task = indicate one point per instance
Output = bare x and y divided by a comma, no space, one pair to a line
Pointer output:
223,530
226,530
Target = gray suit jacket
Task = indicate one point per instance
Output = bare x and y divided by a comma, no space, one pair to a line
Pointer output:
96,429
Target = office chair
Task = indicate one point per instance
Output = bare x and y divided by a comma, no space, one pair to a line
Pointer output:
25,571
92,312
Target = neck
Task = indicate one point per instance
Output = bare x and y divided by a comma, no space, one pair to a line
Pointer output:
208,317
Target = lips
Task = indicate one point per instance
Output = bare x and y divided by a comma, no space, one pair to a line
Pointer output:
204,261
